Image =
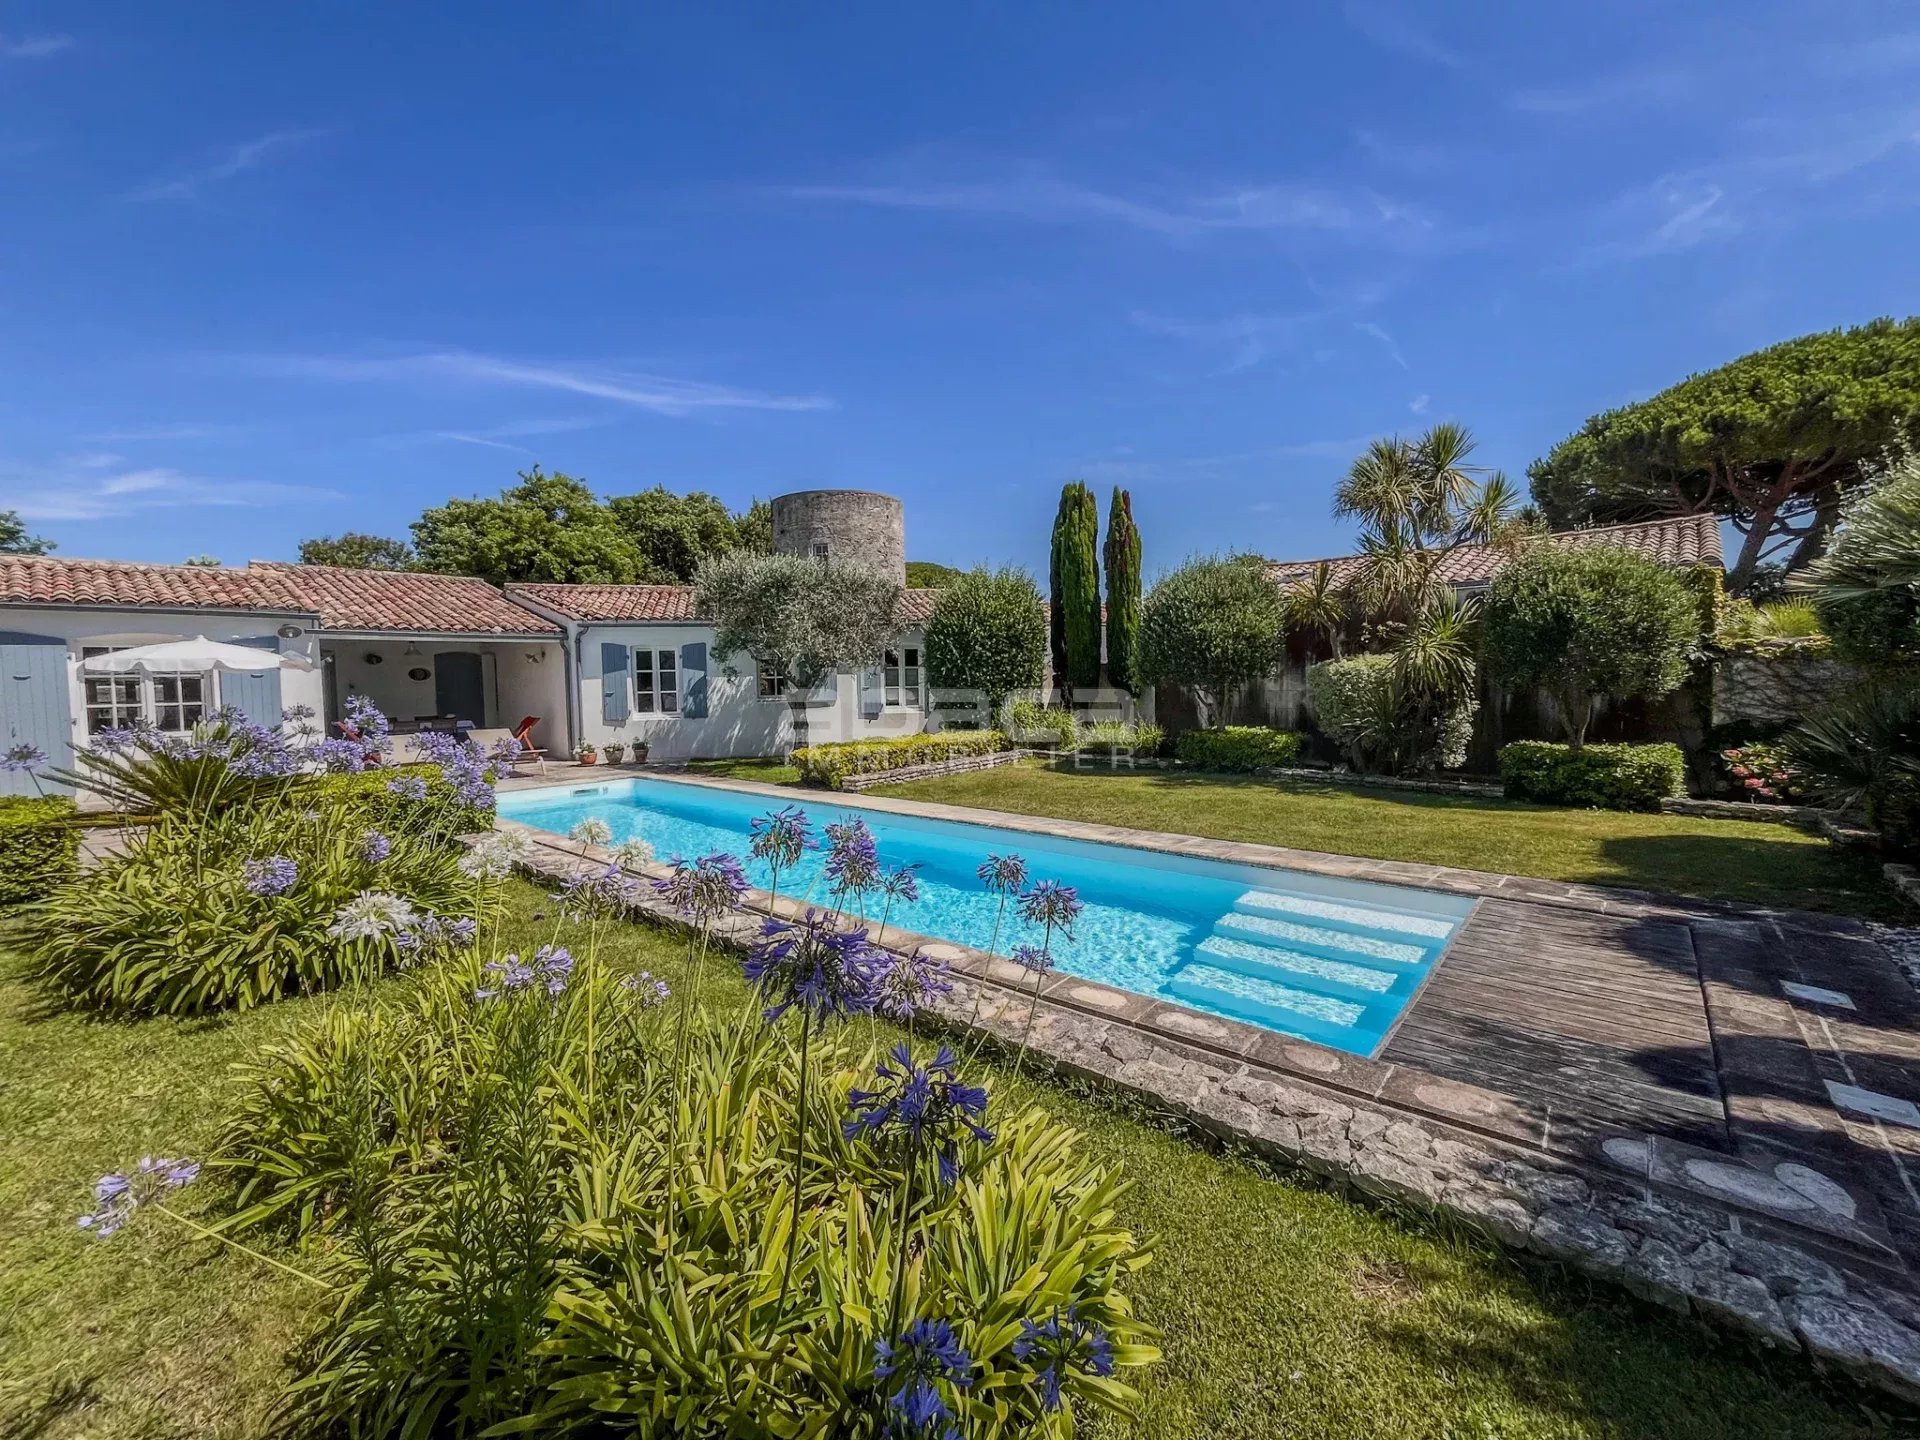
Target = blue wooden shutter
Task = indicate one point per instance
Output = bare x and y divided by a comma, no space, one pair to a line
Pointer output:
615,700
873,695
33,706
693,680
254,693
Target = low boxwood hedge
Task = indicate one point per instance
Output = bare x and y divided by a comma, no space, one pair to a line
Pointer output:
1237,747
1596,777
830,764
39,846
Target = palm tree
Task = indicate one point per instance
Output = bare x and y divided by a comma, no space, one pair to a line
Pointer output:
1417,500
1317,609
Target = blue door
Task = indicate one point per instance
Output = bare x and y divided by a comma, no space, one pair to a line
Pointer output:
34,709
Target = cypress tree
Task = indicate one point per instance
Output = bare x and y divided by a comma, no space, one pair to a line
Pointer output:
1123,594
1056,608
1076,586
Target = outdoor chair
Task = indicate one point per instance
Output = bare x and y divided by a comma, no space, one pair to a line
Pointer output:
523,732
485,740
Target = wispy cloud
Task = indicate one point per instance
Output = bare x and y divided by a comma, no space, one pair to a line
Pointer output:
486,440
234,161
1379,332
1418,404
1249,338
33,47
72,492
661,394
1619,90
1392,29
1031,194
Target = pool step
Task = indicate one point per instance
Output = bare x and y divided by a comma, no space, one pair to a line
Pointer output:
1297,970
1344,1024
1319,940
1351,918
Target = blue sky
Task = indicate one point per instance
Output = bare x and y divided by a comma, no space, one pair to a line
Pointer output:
267,274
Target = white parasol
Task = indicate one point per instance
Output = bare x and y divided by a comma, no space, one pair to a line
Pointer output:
188,657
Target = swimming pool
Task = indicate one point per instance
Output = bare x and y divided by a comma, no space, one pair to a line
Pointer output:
1328,960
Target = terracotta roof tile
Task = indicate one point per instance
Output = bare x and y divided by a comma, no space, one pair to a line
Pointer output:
1678,540
644,604
348,599
51,580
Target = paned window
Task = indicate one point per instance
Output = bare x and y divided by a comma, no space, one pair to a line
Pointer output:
656,682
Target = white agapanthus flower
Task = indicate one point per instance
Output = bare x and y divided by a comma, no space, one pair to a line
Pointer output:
632,854
592,831
495,857
373,915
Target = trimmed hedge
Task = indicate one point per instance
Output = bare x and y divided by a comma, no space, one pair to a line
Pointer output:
1237,747
829,764
1596,777
39,846
385,808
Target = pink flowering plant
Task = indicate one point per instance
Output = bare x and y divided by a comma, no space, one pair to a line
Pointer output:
1764,773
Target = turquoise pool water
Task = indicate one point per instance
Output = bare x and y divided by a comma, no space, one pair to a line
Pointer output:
1328,960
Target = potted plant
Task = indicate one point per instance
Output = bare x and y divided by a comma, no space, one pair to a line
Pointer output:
639,752
616,752
587,755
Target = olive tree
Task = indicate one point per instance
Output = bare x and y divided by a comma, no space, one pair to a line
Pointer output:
1214,627
801,620
988,633
1585,621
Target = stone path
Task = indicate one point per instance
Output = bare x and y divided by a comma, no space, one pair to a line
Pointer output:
1717,1106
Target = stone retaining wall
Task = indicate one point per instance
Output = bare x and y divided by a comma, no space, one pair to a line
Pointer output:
1807,817
965,764
1724,1265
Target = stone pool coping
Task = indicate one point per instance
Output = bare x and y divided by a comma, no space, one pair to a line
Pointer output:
1842,1297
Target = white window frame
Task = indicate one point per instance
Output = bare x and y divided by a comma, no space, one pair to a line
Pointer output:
656,680
903,677
160,700
769,684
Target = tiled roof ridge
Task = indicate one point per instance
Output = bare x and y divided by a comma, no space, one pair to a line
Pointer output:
1693,517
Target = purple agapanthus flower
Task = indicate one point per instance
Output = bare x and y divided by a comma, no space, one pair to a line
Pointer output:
23,756
901,884
1053,905
927,1355
549,968
1003,874
780,837
1063,1344
705,889
273,876
651,989
375,847
1036,958
115,740
408,787
116,1196
853,860
922,1108
341,757
594,893
910,984
828,972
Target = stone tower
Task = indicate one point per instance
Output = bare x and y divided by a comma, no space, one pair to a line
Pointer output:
850,527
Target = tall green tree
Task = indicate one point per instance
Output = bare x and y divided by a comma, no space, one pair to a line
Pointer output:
357,551
926,575
1772,441
14,539
1214,627
674,533
1583,622
800,619
754,528
1122,556
547,528
988,633
1075,577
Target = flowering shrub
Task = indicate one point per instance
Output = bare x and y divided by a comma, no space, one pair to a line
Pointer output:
39,846
238,907
830,764
1764,772
498,1265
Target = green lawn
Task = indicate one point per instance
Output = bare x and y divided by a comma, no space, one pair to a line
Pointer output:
1719,859
768,771
1286,1310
